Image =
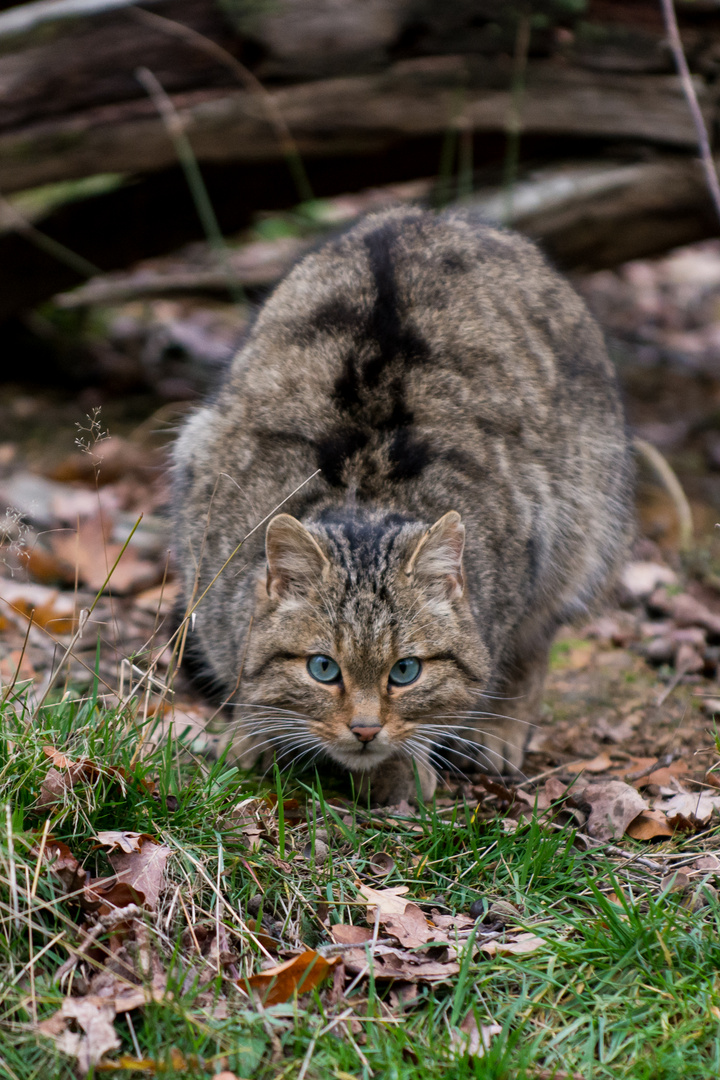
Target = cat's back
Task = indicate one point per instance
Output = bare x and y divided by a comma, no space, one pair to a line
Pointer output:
420,362
407,339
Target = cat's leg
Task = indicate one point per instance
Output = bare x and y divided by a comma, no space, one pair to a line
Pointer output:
394,781
517,705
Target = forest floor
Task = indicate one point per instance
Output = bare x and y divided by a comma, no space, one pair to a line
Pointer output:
161,912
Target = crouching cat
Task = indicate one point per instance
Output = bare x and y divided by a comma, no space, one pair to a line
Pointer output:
433,410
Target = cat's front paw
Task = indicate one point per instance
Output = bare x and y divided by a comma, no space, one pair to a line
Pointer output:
394,781
501,746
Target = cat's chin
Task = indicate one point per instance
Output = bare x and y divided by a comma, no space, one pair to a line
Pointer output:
362,759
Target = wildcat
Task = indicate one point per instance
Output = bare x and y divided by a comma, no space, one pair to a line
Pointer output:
441,404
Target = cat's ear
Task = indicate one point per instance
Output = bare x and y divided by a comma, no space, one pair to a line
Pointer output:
294,558
437,559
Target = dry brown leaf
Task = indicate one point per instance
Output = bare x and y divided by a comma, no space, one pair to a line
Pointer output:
454,922
261,936
126,1061
689,811
472,1040
396,964
94,1015
515,945
639,772
554,789
160,600
613,806
409,927
297,976
125,841
54,787
107,894
65,774
344,934
677,881
94,554
598,764
649,825
143,869
17,667
50,609
60,860
387,901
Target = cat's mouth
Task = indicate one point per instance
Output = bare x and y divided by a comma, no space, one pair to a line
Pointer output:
359,755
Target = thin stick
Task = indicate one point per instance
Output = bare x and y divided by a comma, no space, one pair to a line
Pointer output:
676,46
82,266
672,485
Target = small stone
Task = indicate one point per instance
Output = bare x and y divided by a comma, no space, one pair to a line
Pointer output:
320,854
254,904
641,579
659,651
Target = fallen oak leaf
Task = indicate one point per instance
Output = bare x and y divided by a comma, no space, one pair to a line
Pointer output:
386,901
454,922
470,1039
66,773
688,811
345,934
517,945
598,764
107,894
90,549
409,927
61,862
396,964
178,1062
299,975
613,805
143,870
649,825
128,842
94,1015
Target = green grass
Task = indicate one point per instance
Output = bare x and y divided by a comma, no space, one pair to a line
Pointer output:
629,989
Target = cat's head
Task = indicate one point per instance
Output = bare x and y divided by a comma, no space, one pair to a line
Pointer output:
362,642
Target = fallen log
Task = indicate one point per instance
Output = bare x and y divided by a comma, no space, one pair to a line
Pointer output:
586,216
367,95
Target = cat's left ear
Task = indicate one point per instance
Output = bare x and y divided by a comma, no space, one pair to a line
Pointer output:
437,559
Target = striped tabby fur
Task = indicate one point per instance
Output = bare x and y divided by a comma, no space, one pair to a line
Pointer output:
473,493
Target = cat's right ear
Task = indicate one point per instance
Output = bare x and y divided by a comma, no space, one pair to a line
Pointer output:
295,560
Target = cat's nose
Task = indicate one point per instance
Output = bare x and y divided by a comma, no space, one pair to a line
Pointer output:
364,732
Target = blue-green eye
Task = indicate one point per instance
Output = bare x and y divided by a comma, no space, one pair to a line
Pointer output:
405,671
323,668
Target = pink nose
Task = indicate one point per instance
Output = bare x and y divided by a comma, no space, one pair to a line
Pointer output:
364,732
